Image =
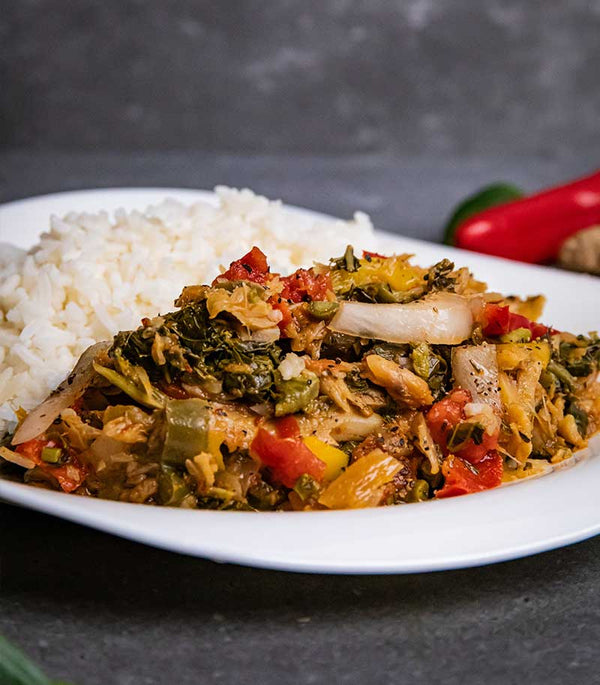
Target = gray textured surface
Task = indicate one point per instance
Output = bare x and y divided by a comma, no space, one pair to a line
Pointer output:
408,195
97,610
416,76
102,611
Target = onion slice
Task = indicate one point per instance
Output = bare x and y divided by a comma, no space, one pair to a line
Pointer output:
439,319
70,390
475,368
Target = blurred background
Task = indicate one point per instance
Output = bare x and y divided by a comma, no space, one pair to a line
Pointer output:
334,104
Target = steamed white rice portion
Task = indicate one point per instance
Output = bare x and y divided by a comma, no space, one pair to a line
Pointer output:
93,275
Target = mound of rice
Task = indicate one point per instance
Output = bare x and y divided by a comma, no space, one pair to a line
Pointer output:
92,275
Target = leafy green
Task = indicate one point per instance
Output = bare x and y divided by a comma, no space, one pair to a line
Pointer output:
462,433
438,277
295,394
431,367
490,196
133,381
203,349
306,487
581,357
172,487
580,416
563,376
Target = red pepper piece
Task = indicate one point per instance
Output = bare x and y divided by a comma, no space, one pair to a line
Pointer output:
69,476
533,229
500,320
445,415
251,267
285,453
462,478
305,285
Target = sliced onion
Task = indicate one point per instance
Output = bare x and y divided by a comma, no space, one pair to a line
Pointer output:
70,390
475,368
15,458
439,319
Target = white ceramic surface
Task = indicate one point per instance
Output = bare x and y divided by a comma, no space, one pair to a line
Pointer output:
525,518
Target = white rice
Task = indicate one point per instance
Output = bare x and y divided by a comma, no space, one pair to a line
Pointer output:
92,275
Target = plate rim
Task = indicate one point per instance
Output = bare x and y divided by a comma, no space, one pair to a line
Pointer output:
23,495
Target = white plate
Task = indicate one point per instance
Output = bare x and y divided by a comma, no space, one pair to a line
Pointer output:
525,518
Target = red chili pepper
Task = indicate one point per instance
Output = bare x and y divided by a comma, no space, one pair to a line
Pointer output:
500,320
533,229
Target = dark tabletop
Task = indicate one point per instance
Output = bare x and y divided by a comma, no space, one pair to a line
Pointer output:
97,610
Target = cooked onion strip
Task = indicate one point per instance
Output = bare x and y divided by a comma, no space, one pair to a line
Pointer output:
64,396
475,368
441,319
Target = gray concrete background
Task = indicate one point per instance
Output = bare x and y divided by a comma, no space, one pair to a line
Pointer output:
403,77
410,195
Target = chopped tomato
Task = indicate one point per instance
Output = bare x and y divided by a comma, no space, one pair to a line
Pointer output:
500,320
445,415
305,285
285,453
251,267
287,427
69,476
286,315
32,449
462,478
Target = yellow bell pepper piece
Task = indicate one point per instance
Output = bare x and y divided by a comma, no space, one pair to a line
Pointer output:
360,484
335,460
215,440
395,271
513,355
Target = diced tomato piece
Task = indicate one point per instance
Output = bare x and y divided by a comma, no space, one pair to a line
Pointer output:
462,478
286,315
305,285
445,415
287,427
69,476
500,320
285,453
32,449
474,453
251,267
